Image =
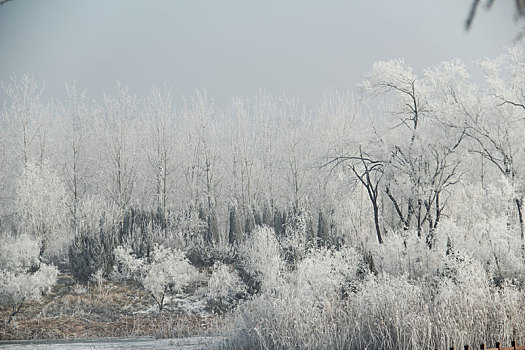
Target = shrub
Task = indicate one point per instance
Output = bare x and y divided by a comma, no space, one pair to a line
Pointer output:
22,276
224,284
324,274
259,259
95,239
166,270
305,310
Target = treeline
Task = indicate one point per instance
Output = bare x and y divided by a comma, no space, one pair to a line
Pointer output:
88,175
405,156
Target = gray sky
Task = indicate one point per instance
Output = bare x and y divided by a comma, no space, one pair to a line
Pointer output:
235,47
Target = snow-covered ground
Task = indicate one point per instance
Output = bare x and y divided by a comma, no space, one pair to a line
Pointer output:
195,343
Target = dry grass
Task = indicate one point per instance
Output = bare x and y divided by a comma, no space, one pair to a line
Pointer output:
109,310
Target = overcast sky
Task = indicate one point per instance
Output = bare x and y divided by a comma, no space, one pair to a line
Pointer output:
229,47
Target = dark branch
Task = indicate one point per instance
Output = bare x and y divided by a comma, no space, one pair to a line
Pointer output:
471,14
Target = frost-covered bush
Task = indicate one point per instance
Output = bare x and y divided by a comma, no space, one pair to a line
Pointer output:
22,276
18,253
166,270
305,310
388,312
224,284
492,242
325,303
260,259
284,320
294,241
466,308
324,274
465,271
406,253
202,254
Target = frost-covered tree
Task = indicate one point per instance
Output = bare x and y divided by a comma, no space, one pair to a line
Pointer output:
24,135
369,172
297,151
411,152
116,119
265,137
76,162
42,206
202,170
159,117
29,117
496,126
241,160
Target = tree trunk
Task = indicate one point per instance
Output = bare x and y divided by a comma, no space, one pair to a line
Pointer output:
161,303
519,204
15,310
376,222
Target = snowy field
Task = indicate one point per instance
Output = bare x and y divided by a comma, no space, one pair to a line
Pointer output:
195,343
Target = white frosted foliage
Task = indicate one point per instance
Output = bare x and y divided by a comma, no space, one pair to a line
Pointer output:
166,270
22,276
